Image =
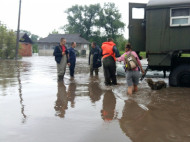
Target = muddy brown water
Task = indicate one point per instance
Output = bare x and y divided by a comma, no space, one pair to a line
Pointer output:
35,108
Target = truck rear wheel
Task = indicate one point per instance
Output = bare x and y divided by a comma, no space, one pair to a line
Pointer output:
180,76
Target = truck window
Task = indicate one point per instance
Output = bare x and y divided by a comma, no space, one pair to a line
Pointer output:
137,13
180,17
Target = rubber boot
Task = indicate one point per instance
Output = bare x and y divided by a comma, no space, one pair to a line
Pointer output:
91,72
96,72
60,78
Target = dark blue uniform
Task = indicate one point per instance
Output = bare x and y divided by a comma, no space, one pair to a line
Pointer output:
72,60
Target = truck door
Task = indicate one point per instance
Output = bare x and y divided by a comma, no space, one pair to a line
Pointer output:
137,26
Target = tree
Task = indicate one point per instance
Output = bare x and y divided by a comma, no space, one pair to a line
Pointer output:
35,38
121,43
7,43
82,19
75,20
91,15
54,32
93,22
110,20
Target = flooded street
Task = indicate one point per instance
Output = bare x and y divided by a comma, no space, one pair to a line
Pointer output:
35,108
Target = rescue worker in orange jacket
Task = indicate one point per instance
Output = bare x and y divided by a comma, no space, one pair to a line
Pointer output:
109,53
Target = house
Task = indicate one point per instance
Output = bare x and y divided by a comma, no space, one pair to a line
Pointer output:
46,45
26,45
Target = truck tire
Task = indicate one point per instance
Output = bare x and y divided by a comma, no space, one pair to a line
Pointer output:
180,76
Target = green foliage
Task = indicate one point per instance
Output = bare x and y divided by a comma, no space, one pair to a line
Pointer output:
7,43
54,32
35,38
35,48
121,42
82,20
121,52
185,55
109,20
143,54
93,22
99,40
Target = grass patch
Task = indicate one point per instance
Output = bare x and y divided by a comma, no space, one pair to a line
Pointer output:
121,52
185,55
143,54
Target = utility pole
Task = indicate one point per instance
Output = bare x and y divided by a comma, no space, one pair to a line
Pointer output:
18,32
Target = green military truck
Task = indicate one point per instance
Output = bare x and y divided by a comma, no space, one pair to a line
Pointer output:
161,28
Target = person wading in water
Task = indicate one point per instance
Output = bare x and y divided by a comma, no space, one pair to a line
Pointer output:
61,58
109,53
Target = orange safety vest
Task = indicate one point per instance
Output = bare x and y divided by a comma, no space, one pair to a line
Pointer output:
107,49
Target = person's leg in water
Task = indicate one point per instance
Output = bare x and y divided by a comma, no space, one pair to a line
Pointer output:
72,69
96,71
61,68
135,88
113,71
91,65
129,82
130,90
135,79
106,71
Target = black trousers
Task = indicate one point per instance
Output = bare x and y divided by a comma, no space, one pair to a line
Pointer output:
72,68
109,66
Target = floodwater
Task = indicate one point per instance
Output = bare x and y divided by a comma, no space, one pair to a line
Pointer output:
35,108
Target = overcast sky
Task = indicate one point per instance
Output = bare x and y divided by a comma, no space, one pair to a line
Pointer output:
41,17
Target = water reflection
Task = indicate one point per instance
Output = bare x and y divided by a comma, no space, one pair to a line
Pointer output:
7,74
61,104
166,120
21,92
11,79
71,93
131,120
9,70
108,112
95,91
18,65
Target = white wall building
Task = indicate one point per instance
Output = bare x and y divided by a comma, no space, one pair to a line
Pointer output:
47,45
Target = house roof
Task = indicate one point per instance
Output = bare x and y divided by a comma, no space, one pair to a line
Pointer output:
55,38
24,38
164,3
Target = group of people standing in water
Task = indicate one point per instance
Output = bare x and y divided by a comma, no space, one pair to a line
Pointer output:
107,55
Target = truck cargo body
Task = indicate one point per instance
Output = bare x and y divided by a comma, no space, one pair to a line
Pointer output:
164,34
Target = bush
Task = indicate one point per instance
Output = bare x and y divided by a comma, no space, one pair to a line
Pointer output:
7,43
143,54
120,43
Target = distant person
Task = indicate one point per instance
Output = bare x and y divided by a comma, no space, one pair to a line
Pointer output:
72,58
132,75
61,57
109,53
94,59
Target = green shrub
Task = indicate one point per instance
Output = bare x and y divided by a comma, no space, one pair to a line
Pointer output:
7,43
